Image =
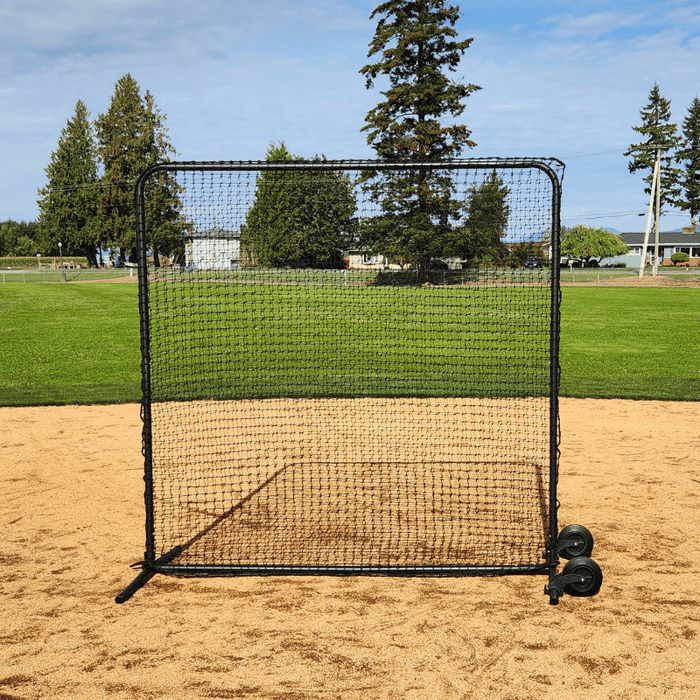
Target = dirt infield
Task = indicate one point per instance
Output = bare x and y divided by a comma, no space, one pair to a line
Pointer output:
72,516
363,481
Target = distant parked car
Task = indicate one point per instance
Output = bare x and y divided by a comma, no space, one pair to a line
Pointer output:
533,263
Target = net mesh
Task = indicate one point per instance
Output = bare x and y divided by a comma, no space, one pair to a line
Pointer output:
314,401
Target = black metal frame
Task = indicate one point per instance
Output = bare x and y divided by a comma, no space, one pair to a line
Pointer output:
152,565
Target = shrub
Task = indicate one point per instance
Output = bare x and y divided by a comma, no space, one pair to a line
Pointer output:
19,262
680,258
29,262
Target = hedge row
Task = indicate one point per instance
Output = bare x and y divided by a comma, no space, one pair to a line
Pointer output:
33,262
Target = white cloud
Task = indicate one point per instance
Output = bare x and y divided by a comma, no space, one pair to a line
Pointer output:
594,25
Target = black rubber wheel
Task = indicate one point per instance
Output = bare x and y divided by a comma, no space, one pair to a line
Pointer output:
582,542
591,573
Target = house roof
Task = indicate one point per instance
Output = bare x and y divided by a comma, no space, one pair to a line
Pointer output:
675,238
215,233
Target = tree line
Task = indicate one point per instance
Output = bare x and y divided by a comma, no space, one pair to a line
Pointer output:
301,218
19,239
309,218
88,203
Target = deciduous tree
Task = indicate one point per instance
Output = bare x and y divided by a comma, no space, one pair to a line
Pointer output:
21,239
586,243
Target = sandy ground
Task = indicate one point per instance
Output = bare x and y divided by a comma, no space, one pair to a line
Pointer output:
363,481
72,517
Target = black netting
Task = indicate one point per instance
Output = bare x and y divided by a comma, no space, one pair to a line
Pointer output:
348,365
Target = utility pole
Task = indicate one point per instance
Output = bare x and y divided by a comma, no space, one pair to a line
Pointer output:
657,165
655,195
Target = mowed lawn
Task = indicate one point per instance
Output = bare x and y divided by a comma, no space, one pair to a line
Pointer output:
626,342
75,343
79,343
225,340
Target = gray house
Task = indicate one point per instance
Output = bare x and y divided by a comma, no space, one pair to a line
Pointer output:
686,241
215,248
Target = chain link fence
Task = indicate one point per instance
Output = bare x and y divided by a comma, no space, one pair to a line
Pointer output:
671,277
66,275
629,277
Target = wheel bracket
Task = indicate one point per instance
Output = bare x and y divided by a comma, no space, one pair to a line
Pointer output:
555,588
563,544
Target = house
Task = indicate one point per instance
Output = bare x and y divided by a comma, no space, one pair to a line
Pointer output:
215,248
685,241
360,260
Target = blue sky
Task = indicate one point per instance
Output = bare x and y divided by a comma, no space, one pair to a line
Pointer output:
562,78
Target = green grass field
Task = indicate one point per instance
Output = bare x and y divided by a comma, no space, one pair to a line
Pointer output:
69,344
306,340
79,343
637,343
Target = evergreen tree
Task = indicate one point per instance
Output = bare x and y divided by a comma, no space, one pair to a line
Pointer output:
131,137
689,153
300,218
659,134
68,204
487,213
415,42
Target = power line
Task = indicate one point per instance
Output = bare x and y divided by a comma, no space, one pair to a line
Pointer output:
641,147
602,215
589,155
617,214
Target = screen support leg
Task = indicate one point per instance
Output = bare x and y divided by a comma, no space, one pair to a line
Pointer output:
146,574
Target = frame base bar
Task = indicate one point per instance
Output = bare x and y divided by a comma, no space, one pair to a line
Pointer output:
146,574
162,566
194,570
141,580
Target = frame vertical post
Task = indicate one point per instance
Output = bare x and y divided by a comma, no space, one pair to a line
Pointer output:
555,375
142,248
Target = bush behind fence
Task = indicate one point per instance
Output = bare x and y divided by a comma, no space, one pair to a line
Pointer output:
36,263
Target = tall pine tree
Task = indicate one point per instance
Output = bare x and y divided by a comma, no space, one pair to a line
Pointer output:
689,154
659,134
131,137
68,204
415,43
